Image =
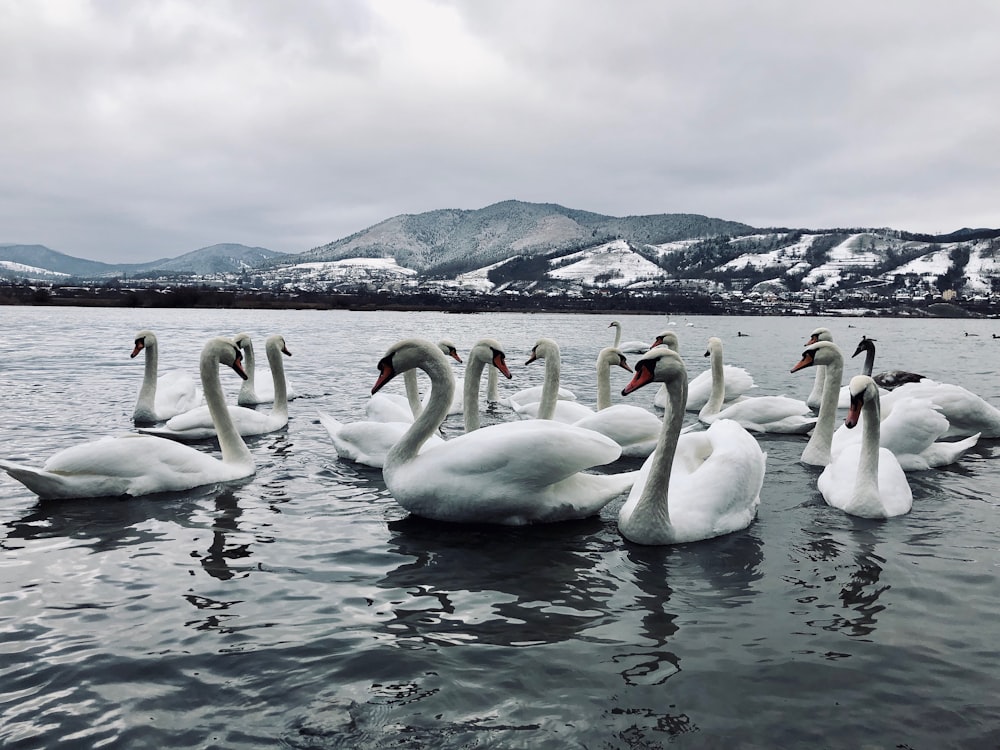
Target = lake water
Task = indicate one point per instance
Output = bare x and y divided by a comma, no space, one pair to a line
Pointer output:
303,609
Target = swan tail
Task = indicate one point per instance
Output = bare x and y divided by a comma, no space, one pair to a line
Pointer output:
332,425
52,486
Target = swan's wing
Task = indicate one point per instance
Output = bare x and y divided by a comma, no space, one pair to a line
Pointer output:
388,407
177,392
197,424
770,414
967,413
912,426
624,423
943,453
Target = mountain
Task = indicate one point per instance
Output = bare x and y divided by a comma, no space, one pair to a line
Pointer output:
47,260
217,259
447,242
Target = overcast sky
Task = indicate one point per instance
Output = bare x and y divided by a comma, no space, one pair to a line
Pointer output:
138,129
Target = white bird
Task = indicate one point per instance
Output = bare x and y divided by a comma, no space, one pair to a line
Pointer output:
696,486
392,407
161,396
738,381
633,428
253,393
141,464
486,352
864,479
780,414
637,347
550,406
199,424
910,431
510,473
966,412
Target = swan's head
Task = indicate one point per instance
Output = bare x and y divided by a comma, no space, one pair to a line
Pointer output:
243,341
820,334
615,324
714,345
489,351
144,340
865,345
543,348
226,353
667,339
820,353
660,364
449,349
406,355
611,357
276,341
862,388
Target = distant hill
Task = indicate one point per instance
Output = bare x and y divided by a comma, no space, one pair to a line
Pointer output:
221,258
41,257
451,241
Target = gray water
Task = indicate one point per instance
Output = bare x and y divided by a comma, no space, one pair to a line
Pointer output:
303,608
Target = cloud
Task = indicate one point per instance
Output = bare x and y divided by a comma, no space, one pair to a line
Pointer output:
150,128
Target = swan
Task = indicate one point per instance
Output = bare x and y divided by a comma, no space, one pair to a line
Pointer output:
696,486
633,428
550,406
910,431
966,412
392,407
738,381
864,479
510,473
629,346
164,396
199,424
890,378
252,393
136,464
827,356
780,414
486,352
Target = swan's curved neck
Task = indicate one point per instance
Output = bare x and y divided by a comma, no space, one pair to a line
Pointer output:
817,450
866,494
470,393
652,509
869,361
618,334
715,401
248,391
234,450
492,386
816,394
550,388
433,414
603,384
145,406
277,365
412,392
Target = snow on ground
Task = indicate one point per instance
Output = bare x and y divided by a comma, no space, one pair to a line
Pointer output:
11,266
611,264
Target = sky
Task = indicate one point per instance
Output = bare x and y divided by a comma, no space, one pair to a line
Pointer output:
134,130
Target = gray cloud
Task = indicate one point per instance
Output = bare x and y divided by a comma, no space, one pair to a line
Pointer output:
137,130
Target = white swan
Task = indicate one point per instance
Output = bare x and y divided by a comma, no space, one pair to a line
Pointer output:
738,381
633,428
889,379
696,486
141,464
510,473
486,352
636,347
251,392
392,407
966,412
550,406
864,479
199,424
779,414
827,356
161,396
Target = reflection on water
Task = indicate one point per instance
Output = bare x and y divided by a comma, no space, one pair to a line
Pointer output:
304,608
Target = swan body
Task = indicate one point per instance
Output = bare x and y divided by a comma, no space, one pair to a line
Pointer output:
199,424
368,442
966,412
635,347
136,464
511,473
780,414
550,406
251,392
534,395
635,429
864,479
161,396
694,486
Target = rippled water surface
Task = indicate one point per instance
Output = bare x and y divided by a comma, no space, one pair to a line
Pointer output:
303,608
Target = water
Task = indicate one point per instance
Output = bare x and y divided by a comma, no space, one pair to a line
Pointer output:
303,608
